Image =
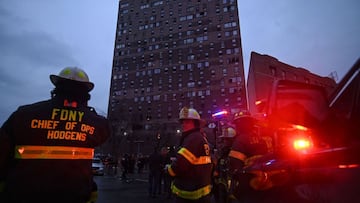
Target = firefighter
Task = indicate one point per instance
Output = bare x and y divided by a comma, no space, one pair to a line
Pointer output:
46,148
226,139
192,168
221,173
246,148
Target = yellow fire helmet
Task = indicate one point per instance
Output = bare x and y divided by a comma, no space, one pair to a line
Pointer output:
74,74
188,113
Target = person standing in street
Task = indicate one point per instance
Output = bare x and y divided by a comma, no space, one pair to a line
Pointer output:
166,160
221,176
155,168
46,148
247,146
192,168
125,166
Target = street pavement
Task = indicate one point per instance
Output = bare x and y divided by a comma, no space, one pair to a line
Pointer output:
112,189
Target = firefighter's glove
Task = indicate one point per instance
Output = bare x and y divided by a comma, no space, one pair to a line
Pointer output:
168,170
167,166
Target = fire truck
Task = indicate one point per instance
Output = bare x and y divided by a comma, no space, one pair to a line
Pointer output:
316,143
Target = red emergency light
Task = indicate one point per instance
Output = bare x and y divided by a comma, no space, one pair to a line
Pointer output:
302,144
299,137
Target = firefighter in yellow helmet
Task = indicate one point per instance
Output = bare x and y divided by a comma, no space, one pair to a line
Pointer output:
46,148
247,147
192,168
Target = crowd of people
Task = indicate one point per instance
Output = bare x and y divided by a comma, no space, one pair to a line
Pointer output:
159,181
54,140
152,165
193,166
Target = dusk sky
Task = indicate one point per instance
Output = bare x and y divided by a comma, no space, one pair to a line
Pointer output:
40,37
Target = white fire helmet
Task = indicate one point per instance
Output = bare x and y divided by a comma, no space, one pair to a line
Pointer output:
228,132
188,113
74,74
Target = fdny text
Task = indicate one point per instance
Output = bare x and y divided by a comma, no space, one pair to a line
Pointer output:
72,128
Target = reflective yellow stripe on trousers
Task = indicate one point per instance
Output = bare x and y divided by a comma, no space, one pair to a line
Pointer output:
52,152
193,195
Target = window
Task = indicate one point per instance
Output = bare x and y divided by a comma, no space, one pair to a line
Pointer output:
191,57
273,71
191,84
157,71
156,97
224,72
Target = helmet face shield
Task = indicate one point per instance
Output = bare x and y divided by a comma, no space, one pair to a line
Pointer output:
72,74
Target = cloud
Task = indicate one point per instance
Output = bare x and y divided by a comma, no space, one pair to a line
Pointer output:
40,37
27,58
321,35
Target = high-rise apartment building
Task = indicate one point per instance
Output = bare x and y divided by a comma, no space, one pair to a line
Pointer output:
265,69
169,54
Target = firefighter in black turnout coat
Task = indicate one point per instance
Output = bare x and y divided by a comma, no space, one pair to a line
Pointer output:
247,147
46,148
221,174
192,168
